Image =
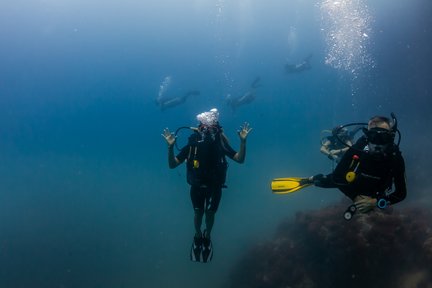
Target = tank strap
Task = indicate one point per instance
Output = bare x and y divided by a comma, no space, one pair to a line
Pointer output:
190,152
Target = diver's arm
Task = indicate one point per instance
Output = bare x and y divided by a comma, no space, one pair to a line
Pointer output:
170,139
400,191
173,162
324,148
240,156
336,152
337,178
323,181
364,203
243,133
348,145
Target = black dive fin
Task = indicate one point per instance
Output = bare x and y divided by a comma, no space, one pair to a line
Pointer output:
195,253
207,250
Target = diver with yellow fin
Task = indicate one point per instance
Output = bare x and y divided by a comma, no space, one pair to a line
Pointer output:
371,173
206,167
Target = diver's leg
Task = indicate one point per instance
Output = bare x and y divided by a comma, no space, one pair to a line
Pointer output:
213,196
255,83
209,222
212,203
199,213
198,199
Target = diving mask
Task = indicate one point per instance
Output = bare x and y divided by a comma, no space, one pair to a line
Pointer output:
208,133
209,125
380,136
379,140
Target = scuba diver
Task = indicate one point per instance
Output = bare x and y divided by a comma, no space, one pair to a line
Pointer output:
165,103
335,145
332,147
371,173
206,166
299,67
247,98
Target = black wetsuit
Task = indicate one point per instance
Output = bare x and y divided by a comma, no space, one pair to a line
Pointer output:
206,166
379,177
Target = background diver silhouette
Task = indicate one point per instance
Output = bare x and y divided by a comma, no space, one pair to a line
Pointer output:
171,102
299,67
246,98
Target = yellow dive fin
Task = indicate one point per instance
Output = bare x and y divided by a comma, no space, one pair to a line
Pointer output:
289,185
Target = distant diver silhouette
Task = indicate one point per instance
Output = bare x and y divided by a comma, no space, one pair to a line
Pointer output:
246,98
300,67
165,103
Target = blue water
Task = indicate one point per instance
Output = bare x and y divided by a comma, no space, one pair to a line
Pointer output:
86,197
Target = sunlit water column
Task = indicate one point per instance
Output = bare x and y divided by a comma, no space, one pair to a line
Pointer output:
222,55
346,26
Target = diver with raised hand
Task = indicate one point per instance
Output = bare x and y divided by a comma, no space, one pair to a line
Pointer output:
371,173
206,166
246,98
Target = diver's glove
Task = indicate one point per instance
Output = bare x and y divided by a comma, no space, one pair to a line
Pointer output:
364,203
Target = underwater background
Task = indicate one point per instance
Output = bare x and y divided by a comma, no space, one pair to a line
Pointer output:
86,195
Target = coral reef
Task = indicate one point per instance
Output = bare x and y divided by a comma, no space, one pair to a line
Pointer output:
319,249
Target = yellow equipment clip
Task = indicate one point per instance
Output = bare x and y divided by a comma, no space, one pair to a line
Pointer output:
351,175
195,164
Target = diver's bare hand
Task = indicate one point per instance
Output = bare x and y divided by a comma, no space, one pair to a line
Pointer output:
169,137
244,131
364,203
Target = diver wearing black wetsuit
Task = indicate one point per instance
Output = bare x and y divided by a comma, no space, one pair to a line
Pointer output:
375,174
372,171
206,171
205,156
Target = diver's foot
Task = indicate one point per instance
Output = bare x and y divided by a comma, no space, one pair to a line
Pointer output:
306,181
207,248
196,248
